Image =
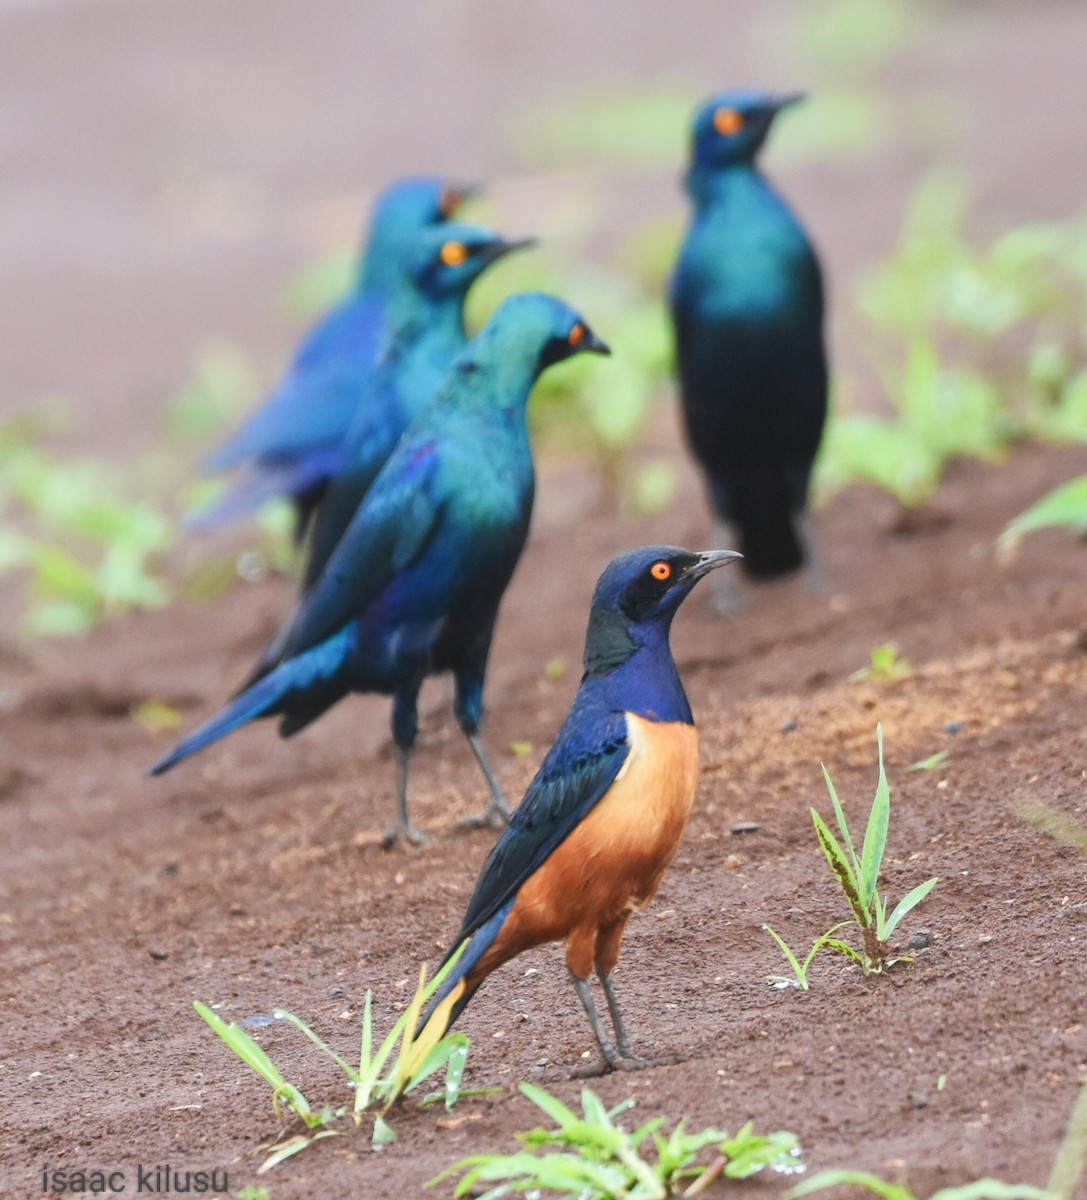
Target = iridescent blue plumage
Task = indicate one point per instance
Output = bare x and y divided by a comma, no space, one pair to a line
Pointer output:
747,302
292,444
603,816
413,586
425,320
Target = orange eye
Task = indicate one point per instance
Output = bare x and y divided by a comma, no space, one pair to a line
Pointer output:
661,570
453,253
577,334
727,121
450,201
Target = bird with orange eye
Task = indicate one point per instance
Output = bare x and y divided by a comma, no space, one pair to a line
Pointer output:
293,443
426,333
747,304
413,586
604,815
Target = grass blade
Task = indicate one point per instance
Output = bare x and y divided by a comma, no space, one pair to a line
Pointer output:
302,1027
840,817
908,902
875,835
799,972
861,1179
839,864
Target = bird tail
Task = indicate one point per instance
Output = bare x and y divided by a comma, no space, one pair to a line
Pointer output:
762,509
261,700
460,985
299,480
301,688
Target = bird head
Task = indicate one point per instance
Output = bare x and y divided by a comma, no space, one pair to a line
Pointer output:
401,211
731,126
447,259
530,332
639,593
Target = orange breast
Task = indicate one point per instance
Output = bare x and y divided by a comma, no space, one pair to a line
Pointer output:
612,863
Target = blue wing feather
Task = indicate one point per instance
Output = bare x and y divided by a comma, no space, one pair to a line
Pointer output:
390,529
579,769
313,405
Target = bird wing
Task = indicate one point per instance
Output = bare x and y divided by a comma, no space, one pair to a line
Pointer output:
314,402
580,767
391,528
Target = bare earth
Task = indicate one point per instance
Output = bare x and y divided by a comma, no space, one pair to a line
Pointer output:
252,878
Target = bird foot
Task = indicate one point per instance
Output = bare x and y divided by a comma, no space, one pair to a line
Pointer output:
408,832
494,816
613,1061
629,1062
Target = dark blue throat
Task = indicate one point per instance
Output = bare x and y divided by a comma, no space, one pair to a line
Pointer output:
633,665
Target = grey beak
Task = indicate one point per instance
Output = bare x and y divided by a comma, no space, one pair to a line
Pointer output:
594,344
500,247
787,100
710,560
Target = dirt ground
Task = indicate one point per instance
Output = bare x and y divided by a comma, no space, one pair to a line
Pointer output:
252,878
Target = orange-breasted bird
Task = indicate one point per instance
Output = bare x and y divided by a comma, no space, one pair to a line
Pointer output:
603,817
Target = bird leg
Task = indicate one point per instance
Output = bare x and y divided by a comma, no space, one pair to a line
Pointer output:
620,1059
403,828
817,580
630,1060
581,986
621,1038
497,811
727,599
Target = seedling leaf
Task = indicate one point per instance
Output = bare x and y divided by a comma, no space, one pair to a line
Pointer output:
908,902
875,835
839,864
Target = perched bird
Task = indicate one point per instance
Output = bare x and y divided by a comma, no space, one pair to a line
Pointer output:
603,817
425,320
292,443
747,302
413,586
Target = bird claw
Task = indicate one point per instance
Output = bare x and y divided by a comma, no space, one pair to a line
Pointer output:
628,1062
494,816
613,1061
411,835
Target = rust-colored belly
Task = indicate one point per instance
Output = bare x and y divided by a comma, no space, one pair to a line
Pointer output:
612,863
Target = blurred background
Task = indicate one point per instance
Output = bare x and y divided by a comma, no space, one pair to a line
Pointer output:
185,184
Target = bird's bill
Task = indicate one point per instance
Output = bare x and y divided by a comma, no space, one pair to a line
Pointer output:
500,247
787,100
710,560
594,344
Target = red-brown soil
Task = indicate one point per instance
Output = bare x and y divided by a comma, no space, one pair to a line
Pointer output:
253,878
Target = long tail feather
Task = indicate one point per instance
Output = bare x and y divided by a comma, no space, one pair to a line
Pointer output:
301,688
259,701
267,481
459,987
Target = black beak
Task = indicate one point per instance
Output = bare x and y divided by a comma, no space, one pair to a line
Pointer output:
787,100
500,247
710,560
593,344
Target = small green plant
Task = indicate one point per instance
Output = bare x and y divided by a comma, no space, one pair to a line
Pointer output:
87,550
859,877
592,1157
885,663
982,1189
380,1079
932,763
799,977
1063,508
977,349
252,1192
